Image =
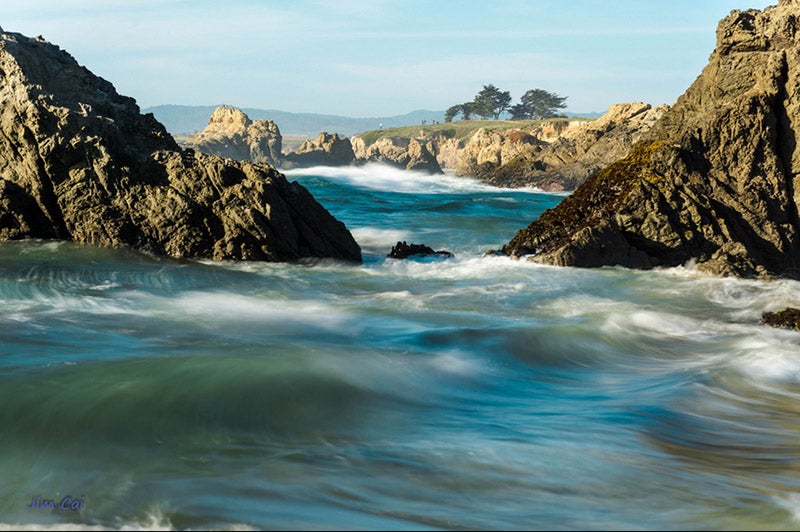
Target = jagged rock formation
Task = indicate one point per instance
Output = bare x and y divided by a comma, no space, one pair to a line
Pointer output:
404,250
79,162
486,149
231,133
325,150
717,179
400,152
554,156
785,319
574,154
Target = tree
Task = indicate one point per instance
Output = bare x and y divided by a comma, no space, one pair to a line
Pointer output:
538,104
490,102
518,112
464,109
451,113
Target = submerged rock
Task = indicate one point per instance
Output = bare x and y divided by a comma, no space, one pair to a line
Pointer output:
785,319
403,250
80,162
716,180
231,133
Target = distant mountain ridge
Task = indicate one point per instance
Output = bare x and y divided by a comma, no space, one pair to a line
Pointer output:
181,119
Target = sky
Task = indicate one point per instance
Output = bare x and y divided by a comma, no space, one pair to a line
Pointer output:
382,57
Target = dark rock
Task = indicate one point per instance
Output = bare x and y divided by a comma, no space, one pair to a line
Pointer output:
717,178
403,250
785,319
80,162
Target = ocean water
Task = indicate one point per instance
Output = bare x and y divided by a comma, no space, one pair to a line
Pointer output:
467,393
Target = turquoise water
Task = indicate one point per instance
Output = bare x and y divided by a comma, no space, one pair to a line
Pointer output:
465,393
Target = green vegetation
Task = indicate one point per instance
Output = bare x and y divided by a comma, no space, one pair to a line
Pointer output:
603,193
538,104
455,130
491,102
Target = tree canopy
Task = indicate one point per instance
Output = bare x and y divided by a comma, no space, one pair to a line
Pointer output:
538,104
491,102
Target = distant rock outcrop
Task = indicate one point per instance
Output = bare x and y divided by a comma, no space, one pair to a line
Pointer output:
79,162
574,155
325,150
231,133
717,179
555,155
400,152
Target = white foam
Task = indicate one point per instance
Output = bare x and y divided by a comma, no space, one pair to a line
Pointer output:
374,237
222,307
378,176
791,503
766,356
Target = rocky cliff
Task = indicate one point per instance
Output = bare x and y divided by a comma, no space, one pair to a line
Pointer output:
554,155
556,161
80,162
325,150
400,152
231,133
715,180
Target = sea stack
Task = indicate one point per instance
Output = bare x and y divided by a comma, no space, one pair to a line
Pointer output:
716,179
231,133
80,162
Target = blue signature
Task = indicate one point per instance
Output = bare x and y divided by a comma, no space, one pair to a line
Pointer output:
69,503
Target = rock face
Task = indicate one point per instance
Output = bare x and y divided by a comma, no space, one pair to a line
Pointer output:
554,156
404,250
400,152
231,133
79,162
717,179
572,156
785,319
486,150
325,150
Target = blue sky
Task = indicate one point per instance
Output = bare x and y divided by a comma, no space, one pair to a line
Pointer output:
382,57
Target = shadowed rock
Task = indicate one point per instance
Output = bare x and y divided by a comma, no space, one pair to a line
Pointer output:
80,162
785,319
716,180
403,250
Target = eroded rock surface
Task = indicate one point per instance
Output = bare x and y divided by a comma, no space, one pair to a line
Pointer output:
80,162
231,133
325,150
399,152
715,181
570,158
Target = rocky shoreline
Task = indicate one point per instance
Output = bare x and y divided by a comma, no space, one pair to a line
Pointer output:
554,156
715,180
